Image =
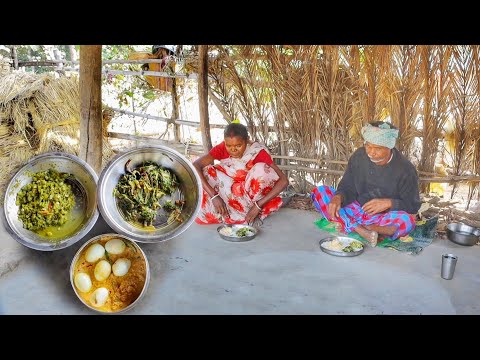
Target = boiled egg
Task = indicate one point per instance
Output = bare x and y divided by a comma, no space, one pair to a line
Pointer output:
121,267
115,246
83,282
102,270
99,297
94,252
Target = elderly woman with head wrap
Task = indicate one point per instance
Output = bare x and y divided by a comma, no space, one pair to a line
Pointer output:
378,193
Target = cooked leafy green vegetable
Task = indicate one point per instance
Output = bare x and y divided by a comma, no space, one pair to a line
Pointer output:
140,190
243,232
46,201
356,245
169,206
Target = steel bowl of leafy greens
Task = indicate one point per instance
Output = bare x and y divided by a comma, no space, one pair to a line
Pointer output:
51,202
150,194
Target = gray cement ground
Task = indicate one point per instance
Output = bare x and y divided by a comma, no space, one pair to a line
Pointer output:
282,271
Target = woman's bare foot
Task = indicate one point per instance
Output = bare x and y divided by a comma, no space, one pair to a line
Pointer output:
370,235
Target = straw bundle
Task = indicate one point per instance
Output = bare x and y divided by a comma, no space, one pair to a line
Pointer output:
4,66
38,114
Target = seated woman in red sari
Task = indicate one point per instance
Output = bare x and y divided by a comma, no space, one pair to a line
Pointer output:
244,185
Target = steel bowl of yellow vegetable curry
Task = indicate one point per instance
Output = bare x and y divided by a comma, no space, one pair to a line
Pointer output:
51,203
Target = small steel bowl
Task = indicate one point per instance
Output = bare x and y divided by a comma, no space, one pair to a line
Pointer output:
463,234
189,191
84,185
235,228
105,238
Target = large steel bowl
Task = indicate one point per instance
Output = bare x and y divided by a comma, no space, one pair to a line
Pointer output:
189,190
104,238
463,234
84,186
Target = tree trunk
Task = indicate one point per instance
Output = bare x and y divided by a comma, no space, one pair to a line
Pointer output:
203,96
13,51
91,105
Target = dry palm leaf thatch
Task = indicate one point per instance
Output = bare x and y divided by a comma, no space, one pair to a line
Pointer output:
240,67
403,85
294,75
464,106
436,92
219,85
373,85
335,89
325,88
475,128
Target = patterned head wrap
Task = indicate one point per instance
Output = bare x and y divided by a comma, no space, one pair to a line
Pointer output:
382,135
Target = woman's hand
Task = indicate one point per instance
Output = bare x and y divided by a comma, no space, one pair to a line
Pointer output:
252,214
220,206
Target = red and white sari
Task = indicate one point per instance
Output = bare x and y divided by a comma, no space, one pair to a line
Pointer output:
239,183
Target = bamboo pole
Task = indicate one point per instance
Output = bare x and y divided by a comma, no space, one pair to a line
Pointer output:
159,118
219,106
446,179
203,96
91,105
181,147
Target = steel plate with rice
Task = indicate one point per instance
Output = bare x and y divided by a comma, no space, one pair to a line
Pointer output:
341,246
237,233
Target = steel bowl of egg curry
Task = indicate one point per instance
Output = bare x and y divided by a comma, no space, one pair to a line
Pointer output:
50,203
110,273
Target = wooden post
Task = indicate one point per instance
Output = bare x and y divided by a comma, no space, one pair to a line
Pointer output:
203,96
175,112
175,101
91,105
13,52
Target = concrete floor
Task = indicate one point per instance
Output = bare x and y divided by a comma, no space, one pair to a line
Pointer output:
282,271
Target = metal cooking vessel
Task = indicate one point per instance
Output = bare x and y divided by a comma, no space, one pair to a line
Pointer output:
106,236
189,190
85,183
463,234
